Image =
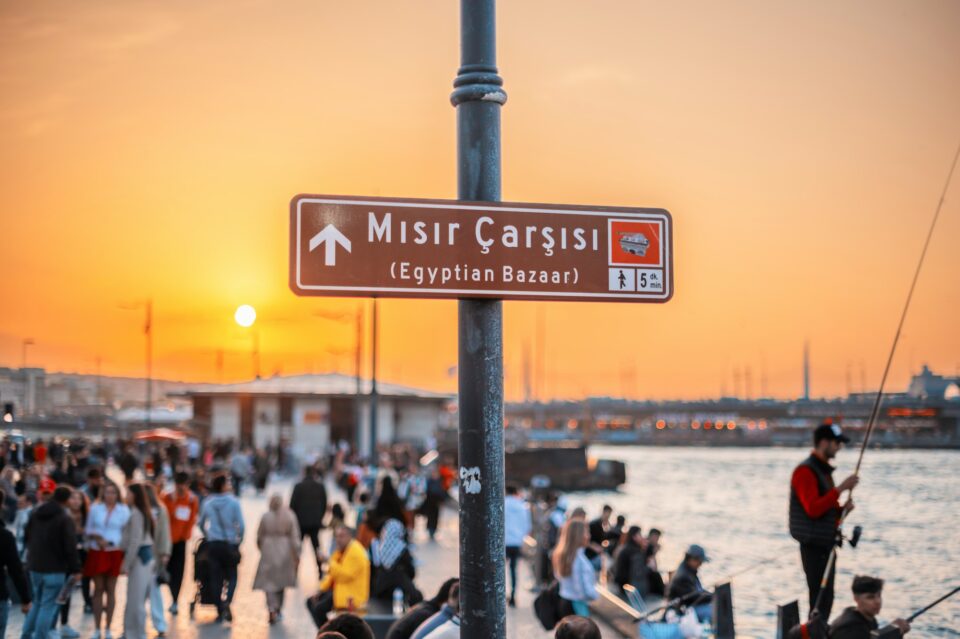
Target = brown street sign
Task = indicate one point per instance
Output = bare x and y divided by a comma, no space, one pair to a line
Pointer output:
382,247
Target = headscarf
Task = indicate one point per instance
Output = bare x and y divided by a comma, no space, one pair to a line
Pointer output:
390,545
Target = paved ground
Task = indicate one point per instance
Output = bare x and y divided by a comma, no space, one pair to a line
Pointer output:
437,562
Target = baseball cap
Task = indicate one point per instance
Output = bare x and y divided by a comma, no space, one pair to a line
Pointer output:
47,485
831,432
697,551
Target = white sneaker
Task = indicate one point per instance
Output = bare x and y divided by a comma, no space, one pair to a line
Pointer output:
66,632
107,634
96,634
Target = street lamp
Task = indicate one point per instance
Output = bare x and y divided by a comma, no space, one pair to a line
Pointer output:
246,316
147,305
358,319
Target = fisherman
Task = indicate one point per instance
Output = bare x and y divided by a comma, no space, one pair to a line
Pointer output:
686,585
860,621
815,511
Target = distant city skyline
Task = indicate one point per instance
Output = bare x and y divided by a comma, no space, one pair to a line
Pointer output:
149,152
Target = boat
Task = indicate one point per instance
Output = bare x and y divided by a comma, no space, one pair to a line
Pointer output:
566,469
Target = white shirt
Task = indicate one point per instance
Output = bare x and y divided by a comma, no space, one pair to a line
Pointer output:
516,521
107,524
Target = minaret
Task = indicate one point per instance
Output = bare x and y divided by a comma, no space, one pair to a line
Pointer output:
806,371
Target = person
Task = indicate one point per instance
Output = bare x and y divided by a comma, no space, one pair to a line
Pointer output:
346,585
860,621
348,626
404,627
392,564
278,539
94,483
239,470
11,568
447,613
182,507
261,471
656,585
516,525
221,520
128,462
105,523
815,512
389,505
330,634
162,547
309,503
436,495
573,569
685,583
138,561
77,508
51,540
630,565
574,627
599,535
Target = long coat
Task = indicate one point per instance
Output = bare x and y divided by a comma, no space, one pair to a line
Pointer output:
278,538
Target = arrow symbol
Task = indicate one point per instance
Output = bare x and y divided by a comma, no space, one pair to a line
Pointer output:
330,236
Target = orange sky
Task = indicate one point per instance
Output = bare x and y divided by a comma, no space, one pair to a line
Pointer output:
152,149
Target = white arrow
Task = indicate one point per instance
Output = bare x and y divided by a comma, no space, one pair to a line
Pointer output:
330,236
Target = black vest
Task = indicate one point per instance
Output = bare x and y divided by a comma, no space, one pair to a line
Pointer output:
805,529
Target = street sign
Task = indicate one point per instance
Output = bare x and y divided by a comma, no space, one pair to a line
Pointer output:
383,247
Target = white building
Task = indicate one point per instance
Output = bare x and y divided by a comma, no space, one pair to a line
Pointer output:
312,411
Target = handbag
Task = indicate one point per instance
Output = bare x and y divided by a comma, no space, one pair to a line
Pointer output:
548,606
233,553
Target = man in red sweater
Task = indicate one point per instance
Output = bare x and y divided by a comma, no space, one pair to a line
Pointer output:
815,511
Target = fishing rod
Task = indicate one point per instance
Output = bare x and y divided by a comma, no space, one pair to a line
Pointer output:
874,412
903,316
893,632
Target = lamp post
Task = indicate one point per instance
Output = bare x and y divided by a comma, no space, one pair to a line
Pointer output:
28,341
358,318
147,305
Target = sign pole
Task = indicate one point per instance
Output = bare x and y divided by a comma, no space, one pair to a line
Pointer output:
478,96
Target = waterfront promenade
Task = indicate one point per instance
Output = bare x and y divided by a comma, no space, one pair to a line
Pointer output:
437,561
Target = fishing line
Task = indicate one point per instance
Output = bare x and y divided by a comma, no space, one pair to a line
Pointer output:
903,316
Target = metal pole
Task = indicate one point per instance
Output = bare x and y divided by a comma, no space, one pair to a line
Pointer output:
477,96
373,390
359,363
148,329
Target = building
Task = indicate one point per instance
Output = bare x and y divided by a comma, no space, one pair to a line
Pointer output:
24,389
313,411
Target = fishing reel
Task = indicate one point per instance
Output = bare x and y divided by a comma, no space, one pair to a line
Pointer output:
854,539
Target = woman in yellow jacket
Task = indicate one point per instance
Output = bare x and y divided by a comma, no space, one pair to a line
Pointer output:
346,585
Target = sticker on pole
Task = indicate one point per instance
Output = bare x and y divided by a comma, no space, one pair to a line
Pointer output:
381,247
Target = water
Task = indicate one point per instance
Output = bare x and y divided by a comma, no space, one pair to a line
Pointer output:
733,501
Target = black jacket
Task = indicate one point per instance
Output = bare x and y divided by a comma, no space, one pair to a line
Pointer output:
309,503
686,582
405,626
853,625
630,567
51,540
10,565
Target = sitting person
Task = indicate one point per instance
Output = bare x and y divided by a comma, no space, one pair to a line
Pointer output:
346,625
574,627
393,564
346,585
630,565
449,612
404,627
860,621
685,584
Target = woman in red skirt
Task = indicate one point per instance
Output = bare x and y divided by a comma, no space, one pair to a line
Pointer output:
104,531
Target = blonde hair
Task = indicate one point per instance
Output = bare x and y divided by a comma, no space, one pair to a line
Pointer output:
571,540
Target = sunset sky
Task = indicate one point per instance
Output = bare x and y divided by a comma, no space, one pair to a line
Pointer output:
150,150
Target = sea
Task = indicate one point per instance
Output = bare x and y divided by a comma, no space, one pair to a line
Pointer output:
733,502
